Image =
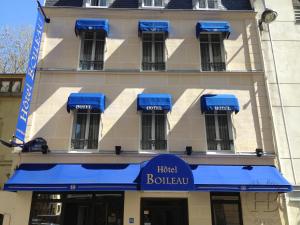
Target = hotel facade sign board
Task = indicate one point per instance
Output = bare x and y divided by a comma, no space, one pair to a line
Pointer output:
167,172
29,78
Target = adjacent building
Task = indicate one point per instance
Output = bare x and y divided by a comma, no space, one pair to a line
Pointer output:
155,112
280,43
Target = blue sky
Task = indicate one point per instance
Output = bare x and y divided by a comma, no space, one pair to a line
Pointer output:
18,12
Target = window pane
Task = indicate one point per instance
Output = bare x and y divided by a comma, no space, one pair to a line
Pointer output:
160,131
45,213
4,86
93,130
16,86
204,38
202,3
103,2
210,132
158,2
87,55
146,142
147,2
226,214
212,4
205,60
99,54
224,132
80,128
1,219
147,55
94,2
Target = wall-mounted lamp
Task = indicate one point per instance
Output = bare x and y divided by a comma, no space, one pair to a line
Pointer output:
118,150
259,152
268,16
188,150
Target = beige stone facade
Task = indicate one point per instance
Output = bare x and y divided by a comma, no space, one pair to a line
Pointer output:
122,80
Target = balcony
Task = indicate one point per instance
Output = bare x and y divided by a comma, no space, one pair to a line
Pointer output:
154,144
84,144
91,65
157,66
297,13
214,66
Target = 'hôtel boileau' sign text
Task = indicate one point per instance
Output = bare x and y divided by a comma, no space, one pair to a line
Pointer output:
167,172
29,79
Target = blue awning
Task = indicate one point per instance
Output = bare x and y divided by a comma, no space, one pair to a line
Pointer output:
154,26
213,26
221,102
92,24
239,179
86,101
154,102
74,177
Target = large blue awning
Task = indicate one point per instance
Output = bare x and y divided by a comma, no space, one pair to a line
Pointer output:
92,24
154,26
86,101
74,177
221,102
239,179
154,102
213,26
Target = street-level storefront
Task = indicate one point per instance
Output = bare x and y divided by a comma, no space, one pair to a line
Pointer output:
162,191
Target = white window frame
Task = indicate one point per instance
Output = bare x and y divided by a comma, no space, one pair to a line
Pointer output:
152,150
82,39
88,4
85,149
206,5
153,5
210,49
153,50
230,132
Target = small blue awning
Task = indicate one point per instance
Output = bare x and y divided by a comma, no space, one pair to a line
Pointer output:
154,102
92,24
74,177
86,101
154,26
239,179
213,26
221,102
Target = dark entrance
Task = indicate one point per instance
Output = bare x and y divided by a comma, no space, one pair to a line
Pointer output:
157,211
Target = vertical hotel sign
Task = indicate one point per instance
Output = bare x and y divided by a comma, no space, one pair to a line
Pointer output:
30,77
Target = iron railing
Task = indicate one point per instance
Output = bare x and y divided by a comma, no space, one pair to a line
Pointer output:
84,144
220,66
220,144
91,65
154,66
297,13
154,144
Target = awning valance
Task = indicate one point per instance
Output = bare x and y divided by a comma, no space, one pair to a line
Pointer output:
220,102
239,179
74,177
154,102
154,26
86,101
213,26
92,25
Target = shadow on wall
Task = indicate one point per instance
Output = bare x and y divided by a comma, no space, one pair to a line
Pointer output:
121,119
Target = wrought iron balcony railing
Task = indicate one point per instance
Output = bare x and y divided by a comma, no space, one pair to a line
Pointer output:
154,144
91,65
215,66
84,144
220,144
157,66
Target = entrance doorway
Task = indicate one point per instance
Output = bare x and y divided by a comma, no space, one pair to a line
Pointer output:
157,211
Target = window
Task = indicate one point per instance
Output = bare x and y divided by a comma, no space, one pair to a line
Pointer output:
100,3
153,51
226,209
208,4
1,219
296,4
153,130
10,86
153,3
77,208
85,129
212,56
218,130
92,50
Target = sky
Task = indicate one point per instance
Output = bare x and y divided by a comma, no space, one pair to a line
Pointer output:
14,13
